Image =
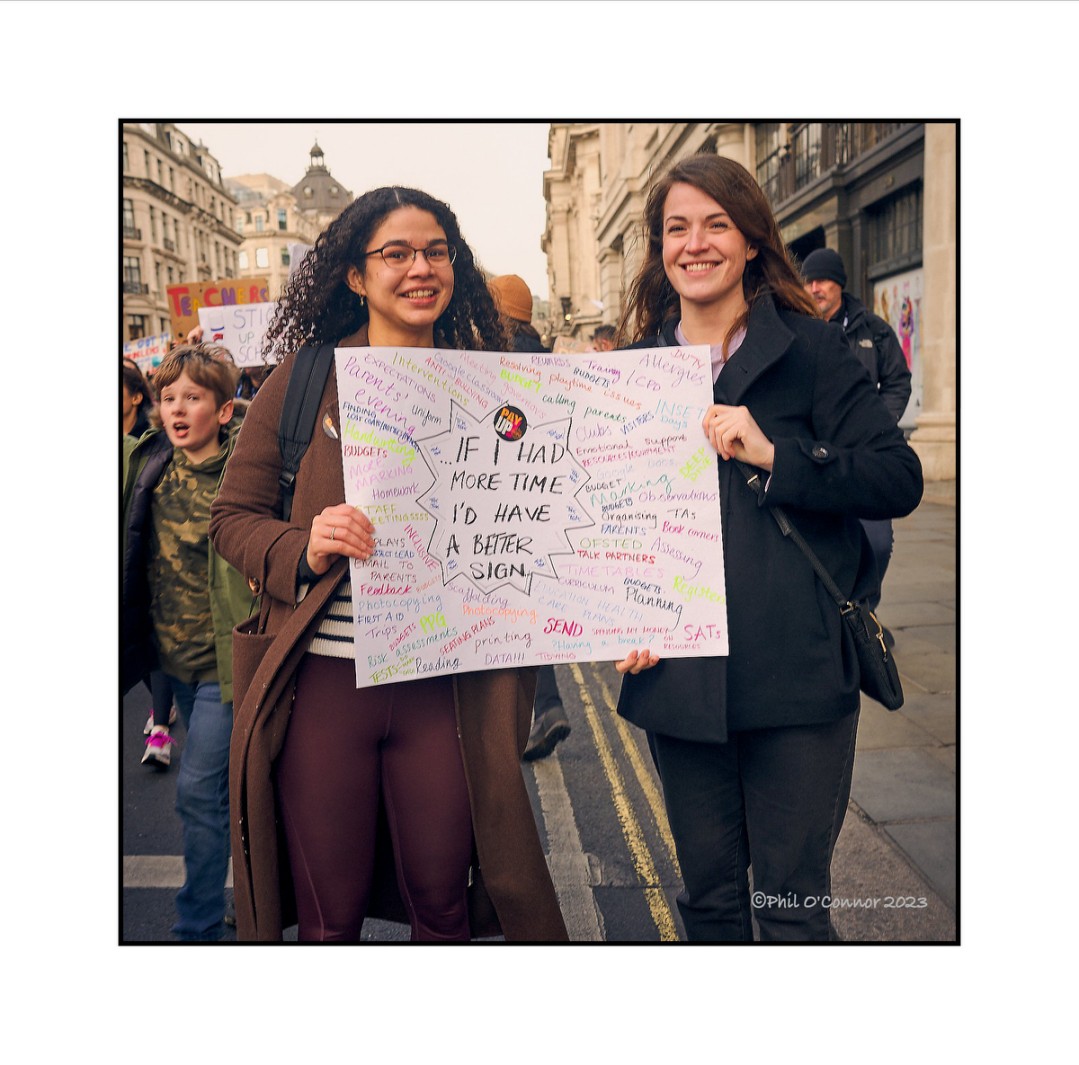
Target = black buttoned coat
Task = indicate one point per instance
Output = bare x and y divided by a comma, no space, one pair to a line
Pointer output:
838,457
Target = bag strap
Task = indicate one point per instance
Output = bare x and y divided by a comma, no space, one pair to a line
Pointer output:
786,527
310,370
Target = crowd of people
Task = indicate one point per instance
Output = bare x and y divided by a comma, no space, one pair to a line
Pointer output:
406,800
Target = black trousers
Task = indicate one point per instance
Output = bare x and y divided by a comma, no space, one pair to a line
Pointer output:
773,799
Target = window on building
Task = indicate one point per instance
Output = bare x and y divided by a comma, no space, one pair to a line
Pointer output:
284,257
171,275
262,258
153,225
249,218
129,218
243,260
282,218
806,147
172,179
126,167
136,326
146,161
895,233
771,139
165,326
239,225
132,270
157,276
160,172
259,223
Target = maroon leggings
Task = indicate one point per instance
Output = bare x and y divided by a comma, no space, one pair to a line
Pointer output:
343,745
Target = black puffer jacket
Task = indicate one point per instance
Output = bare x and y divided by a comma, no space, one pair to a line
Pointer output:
877,347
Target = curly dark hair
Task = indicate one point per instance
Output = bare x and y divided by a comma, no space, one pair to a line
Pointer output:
318,306
652,300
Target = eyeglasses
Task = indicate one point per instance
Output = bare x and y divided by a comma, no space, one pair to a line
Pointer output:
399,256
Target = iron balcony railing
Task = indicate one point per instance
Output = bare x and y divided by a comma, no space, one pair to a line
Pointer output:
813,149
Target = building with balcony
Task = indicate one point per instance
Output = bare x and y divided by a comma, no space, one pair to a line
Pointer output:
271,224
274,218
177,221
881,193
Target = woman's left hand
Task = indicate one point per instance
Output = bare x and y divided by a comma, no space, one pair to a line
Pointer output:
735,435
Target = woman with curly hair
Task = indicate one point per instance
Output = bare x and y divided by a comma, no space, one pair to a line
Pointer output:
324,774
755,749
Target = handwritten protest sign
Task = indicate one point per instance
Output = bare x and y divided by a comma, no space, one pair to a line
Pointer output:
239,328
147,351
530,508
185,300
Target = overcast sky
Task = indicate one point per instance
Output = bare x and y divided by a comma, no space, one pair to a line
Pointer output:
491,174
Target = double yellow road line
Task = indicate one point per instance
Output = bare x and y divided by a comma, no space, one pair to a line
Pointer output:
632,831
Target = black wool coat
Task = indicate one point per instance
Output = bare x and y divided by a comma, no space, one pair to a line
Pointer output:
838,457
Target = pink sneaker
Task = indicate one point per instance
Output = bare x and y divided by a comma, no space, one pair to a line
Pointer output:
158,749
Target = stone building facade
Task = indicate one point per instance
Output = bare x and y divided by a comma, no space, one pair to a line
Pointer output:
319,195
275,217
883,194
271,224
177,222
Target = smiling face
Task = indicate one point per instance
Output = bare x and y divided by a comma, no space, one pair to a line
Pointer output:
404,302
192,419
704,254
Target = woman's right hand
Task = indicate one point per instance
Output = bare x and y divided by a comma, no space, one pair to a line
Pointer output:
339,530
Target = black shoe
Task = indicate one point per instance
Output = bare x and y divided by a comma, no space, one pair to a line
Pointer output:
548,730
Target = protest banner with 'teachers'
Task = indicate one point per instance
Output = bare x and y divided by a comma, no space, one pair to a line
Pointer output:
239,328
185,300
530,509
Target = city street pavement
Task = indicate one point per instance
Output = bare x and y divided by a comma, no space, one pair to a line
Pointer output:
598,802
900,840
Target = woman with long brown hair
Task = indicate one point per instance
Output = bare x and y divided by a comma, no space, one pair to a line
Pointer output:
755,750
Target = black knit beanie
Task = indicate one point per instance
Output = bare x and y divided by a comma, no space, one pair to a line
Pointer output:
824,264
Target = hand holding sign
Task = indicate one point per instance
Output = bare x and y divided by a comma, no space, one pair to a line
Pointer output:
339,530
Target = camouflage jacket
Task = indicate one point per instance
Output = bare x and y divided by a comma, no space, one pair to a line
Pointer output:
230,598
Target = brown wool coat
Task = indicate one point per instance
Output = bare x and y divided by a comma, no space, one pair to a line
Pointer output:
512,890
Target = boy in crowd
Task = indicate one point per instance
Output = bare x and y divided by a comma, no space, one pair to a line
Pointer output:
180,604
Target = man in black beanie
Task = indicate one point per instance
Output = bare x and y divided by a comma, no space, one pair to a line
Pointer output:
874,343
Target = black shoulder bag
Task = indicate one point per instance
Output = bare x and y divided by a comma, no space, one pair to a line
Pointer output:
879,676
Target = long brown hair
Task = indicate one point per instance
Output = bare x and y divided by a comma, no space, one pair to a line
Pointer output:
652,300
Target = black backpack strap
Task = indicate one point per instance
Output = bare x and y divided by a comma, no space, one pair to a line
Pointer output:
310,370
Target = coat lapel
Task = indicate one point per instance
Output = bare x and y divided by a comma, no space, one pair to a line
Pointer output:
767,340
